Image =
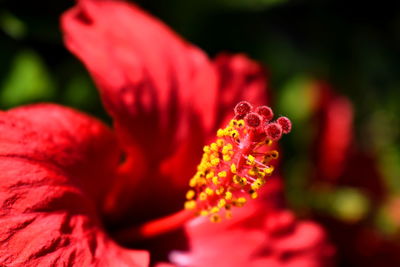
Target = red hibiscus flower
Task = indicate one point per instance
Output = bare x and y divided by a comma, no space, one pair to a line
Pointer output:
338,159
69,184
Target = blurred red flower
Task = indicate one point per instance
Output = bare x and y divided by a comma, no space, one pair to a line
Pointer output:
66,177
341,163
263,234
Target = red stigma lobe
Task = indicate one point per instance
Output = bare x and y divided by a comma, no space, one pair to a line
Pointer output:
242,108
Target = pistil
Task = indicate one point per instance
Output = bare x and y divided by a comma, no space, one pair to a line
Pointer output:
154,228
237,164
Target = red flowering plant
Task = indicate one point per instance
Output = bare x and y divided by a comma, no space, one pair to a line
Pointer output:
77,193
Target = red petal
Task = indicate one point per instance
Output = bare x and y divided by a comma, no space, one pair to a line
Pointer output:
148,76
56,166
164,95
336,132
239,79
160,91
305,236
261,233
243,243
165,265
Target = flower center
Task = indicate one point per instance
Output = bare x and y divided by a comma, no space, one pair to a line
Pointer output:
231,171
237,164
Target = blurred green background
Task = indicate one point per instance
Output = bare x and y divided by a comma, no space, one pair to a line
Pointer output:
352,47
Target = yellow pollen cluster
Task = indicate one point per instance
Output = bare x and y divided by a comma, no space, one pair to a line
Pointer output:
231,171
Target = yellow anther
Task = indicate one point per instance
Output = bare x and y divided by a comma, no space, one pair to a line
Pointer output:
243,181
205,158
219,190
209,191
214,210
236,179
228,195
193,182
220,133
220,142
222,174
240,123
190,205
203,213
268,142
210,175
269,170
261,174
201,181
233,123
257,184
215,218
274,154
214,147
228,129
234,134
226,157
233,168
253,171
221,203
260,181
240,202
251,160
215,161
226,149
203,196
215,180
254,195
214,155
190,194
206,149
203,166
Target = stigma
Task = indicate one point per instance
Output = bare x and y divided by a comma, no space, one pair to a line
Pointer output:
237,165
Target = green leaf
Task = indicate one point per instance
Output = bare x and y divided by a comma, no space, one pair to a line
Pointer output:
80,92
297,98
11,25
28,81
349,204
